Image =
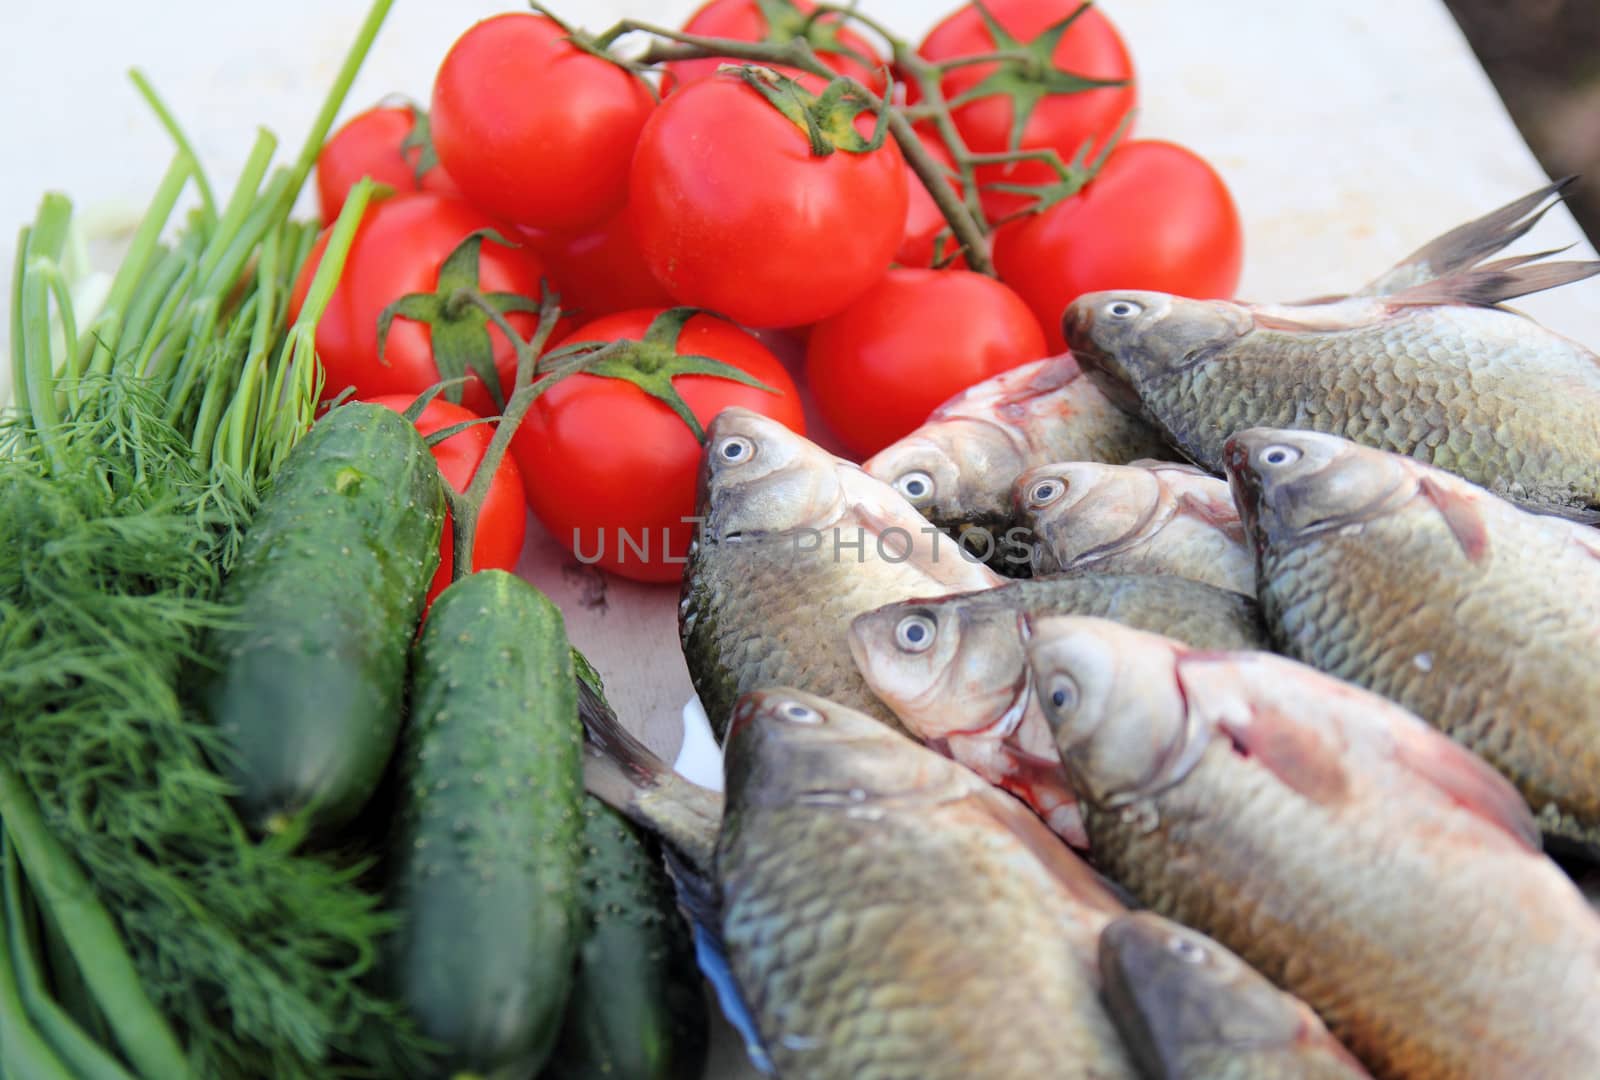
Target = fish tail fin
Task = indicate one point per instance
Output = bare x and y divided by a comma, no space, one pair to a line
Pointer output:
1467,245
1494,283
628,776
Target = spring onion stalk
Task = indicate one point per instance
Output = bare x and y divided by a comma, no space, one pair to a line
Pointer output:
91,934
137,445
208,202
76,1049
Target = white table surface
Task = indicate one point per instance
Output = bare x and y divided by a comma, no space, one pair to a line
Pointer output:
1349,133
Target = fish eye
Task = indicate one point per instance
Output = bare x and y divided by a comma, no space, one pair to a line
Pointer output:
1062,694
915,486
1123,309
914,633
801,714
1279,455
736,449
1186,950
1045,492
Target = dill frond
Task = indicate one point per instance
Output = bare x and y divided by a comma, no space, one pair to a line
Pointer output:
111,555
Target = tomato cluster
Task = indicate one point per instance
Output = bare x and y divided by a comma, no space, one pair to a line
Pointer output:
676,210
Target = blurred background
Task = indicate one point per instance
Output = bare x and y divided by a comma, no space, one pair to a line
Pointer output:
1544,58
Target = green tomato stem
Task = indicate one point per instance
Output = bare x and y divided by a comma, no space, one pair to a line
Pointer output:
1001,56
963,213
466,505
930,84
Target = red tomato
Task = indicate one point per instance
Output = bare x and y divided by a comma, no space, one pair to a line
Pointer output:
1090,47
600,270
918,338
735,213
397,251
503,520
924,220
611,471
743,20
1156,217
370,144
532,128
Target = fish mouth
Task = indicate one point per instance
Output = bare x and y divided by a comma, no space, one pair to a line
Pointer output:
1245,484
1108,378
1004,728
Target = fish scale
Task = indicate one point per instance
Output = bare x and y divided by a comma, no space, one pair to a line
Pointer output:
1494,647
860,877
1356,631
1482,392
1145,518
1191,1010
732,592
1355,857
795,544
1341,939
890,866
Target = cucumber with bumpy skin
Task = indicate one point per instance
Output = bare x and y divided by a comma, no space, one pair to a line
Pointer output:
487,855
638,1010
329,585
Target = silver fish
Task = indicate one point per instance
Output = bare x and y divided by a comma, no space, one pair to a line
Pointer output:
794,543
1428,366
1144,518
957,469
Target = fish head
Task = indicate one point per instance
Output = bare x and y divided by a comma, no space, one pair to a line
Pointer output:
786,747
1075,508
1111,696
758,476
1172,990
1128,341
1290,484
946,667
953,471
954,671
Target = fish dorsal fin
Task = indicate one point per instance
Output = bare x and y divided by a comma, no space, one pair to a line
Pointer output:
1344,314
1467,245
1494,283
1074,875
1461,513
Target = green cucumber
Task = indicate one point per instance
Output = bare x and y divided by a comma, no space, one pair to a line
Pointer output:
486,881
638,1010
329,584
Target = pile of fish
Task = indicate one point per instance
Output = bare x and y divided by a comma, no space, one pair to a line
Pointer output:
1260,767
